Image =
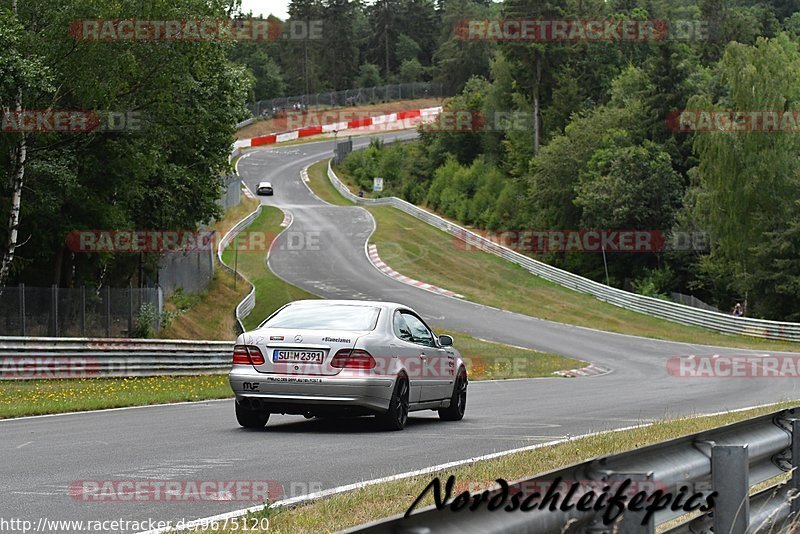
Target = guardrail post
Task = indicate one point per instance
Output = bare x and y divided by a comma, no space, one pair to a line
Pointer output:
54,296
795,501
632,522
730,476
83,311
22,308
108,311
130,310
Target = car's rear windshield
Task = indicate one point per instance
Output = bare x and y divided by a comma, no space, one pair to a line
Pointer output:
325,317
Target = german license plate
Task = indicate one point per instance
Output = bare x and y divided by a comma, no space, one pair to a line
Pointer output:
297,356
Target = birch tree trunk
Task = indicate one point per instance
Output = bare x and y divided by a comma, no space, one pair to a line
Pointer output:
18,155
536,111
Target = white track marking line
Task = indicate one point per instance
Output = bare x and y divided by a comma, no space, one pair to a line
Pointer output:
84,412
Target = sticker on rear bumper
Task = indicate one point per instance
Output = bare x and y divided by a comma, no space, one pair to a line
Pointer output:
293,379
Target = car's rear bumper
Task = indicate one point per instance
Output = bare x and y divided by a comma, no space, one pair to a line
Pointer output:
301,394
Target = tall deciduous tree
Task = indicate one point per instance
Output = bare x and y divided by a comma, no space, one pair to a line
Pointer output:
339,52
456,59
749,180
180,101
20,74
531,57
305,50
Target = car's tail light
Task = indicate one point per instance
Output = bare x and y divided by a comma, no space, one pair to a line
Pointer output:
247,355
255,355
353,359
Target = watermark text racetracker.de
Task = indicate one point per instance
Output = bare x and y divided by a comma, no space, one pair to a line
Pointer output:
49,367
201,29
544,241
585,30
734,366
734,121
70,121
167,241
175,490
15,525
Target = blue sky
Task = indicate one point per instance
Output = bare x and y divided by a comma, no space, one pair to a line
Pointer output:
265,7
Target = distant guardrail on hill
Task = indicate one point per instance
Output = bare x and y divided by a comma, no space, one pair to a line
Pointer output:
663,309
247,304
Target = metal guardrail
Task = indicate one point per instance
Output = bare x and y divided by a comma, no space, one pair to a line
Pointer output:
58,357
729,460
246,122
663,309
247,304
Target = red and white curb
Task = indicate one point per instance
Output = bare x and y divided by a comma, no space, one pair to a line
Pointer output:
287,219
391,273
423,114
589,370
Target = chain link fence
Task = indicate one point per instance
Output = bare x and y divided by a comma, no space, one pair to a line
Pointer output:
232,195
192,271
691,300
349,97
78,312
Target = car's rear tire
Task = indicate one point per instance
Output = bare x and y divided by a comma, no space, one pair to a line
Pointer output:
397,415
251,418
458,401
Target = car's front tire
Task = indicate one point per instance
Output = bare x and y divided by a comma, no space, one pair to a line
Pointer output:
458,401
397,415
251,418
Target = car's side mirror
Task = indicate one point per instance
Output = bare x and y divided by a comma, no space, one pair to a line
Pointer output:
445,340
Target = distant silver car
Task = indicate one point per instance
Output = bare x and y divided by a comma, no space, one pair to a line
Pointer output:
338,357
264,188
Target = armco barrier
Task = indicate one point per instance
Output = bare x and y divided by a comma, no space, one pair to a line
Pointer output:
43,357
728,460
672,311
247,304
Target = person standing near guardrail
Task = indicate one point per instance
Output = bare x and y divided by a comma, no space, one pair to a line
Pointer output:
737,310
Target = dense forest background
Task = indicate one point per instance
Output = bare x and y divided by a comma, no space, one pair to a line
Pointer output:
604,156
601,154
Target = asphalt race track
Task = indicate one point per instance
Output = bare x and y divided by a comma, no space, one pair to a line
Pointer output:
43,456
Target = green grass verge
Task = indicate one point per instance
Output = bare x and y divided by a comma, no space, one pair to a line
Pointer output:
421,251
485,360
322,186
488,361
36,397
271,291
382,500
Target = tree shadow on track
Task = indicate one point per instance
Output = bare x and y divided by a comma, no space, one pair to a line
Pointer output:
339,425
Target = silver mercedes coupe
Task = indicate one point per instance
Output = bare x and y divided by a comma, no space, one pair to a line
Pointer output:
322,358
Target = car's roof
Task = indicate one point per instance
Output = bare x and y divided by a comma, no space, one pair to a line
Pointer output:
260,184
351,302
